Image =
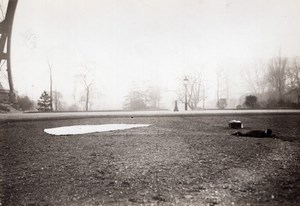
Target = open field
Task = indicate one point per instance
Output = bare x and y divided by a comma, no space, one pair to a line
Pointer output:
178,160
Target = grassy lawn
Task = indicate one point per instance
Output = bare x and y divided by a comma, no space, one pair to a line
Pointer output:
175,161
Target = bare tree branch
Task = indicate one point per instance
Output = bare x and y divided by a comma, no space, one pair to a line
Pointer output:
87,82
255,78
194,90
276,76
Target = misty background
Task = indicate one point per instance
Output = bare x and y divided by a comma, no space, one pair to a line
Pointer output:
118,47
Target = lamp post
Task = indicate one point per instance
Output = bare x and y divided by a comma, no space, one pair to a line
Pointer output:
185,82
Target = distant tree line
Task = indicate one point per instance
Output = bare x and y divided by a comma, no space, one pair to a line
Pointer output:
275,83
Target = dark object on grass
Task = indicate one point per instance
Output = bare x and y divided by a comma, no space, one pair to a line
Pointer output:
235,124
255,133
176,107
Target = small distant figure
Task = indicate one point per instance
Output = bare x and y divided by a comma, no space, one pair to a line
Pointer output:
255,133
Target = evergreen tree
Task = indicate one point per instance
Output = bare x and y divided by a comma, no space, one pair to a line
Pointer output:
44,103
251,101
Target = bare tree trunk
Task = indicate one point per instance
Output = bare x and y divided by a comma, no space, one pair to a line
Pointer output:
56,100
203,103
227,84
51,92
185,98
218,89
87,99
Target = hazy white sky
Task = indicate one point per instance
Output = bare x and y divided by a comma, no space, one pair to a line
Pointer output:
127,42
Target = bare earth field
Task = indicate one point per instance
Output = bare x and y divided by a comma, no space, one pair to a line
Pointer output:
175,161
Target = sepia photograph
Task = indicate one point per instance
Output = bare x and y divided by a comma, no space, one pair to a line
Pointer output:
149,102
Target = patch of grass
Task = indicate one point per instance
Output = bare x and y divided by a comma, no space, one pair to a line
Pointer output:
177,160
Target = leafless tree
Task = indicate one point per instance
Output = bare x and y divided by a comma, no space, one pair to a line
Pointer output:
204,97
195,92
51,85
87,83
218,75
57,99
255,78
293,75
276,75
153,95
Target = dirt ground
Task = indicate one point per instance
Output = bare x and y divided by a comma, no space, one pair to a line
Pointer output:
175,161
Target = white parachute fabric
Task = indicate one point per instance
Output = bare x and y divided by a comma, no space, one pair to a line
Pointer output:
85,129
